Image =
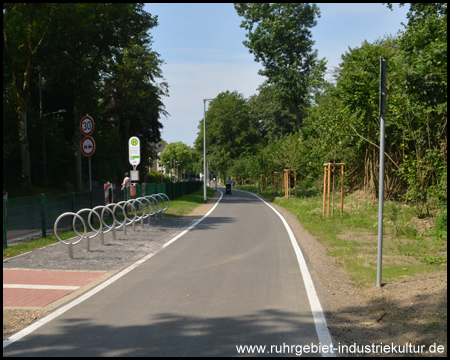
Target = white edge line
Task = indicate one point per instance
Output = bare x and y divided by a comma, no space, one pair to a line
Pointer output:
319,317
194,224
56,313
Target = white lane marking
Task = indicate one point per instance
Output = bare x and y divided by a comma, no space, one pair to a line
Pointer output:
319,318
40,287
194,224
62,310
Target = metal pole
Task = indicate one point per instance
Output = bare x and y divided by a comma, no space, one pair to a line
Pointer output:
44,160
381,173
204,149
216,165
90,178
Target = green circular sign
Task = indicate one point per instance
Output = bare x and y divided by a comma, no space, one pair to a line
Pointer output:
134,142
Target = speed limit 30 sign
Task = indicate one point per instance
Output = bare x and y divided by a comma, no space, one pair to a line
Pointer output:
87,125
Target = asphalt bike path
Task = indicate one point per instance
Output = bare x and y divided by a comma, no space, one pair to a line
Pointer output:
232,280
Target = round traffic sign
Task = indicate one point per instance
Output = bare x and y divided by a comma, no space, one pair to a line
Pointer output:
87,146
87,125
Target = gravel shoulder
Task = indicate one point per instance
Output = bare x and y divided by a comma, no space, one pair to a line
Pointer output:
407,311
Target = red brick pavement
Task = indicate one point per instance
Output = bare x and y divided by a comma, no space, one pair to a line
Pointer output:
49,286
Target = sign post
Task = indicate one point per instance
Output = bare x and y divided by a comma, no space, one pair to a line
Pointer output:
381,171
87,143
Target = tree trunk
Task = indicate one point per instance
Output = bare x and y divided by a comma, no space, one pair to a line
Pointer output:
23,93
77,140
79,110
297,115
24,146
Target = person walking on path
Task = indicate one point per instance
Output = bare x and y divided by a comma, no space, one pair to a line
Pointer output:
126,184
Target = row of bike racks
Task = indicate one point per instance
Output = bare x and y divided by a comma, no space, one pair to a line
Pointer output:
150,205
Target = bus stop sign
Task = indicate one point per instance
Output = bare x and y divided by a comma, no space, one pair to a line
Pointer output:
134,150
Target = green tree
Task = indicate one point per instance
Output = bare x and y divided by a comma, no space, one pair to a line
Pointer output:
286,153
133,100
280,39
421,106
89,43
228,121
85,38
344,125
178,156
274,119
25,28
357,115
246,167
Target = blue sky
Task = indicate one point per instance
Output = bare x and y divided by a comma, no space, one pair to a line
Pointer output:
201,45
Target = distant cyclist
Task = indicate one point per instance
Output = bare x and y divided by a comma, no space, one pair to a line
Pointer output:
228,186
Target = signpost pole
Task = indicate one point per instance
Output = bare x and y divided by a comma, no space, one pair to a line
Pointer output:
87,128
90,177
381,173
204,149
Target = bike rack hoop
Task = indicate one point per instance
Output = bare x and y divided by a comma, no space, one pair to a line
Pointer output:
70,243
168,201
126,219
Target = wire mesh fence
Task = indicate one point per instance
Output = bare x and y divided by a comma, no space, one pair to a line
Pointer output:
36,215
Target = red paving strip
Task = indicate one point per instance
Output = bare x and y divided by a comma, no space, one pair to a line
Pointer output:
26,297
43,277
31,297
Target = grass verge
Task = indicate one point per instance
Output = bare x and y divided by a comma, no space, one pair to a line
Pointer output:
409,247
186,204
178,208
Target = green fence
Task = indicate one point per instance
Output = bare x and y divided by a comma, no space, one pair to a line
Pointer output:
36,215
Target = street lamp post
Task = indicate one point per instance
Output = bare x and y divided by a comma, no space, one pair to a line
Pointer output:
204,149
216,163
